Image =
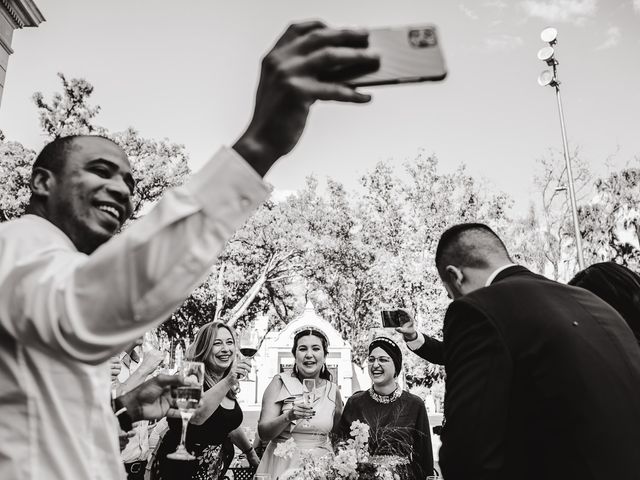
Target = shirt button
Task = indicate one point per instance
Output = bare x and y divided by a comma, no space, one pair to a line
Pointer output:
575,324
245,202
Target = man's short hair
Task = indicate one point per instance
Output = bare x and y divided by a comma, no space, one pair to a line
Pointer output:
469,245
53,156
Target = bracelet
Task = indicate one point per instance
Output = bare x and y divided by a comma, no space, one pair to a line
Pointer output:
412,339
124,419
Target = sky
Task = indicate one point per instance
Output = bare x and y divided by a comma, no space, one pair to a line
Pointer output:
188,70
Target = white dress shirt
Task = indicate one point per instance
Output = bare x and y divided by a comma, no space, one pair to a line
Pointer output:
63,314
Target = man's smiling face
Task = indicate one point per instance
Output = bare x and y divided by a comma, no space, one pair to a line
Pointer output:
90,197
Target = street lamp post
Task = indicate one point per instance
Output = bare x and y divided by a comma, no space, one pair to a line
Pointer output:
547,55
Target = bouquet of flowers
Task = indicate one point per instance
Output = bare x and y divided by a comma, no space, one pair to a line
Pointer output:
351,460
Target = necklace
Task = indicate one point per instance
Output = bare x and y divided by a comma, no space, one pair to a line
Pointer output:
392,397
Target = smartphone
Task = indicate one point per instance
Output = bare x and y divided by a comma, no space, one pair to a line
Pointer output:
407,54
394,318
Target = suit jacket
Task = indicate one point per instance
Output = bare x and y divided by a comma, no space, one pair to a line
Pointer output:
431,350
543,381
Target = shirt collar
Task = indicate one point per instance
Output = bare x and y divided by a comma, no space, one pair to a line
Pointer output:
495,273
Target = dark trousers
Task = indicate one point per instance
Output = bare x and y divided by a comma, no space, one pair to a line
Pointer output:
135,470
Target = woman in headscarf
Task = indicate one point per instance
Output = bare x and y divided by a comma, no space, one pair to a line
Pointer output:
398,421
284,414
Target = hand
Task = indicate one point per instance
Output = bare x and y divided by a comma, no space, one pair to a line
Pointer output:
239,370
300,410
152,399
124,437
252,458
294,74
151,360
114,367
408,329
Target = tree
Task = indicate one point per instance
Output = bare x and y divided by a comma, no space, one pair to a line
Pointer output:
68,113
15,171
610,224
555,220
258,273
374,249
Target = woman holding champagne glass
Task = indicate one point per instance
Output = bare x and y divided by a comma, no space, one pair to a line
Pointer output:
209,449
304,404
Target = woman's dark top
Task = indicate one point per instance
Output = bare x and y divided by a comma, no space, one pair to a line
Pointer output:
400,428
208,442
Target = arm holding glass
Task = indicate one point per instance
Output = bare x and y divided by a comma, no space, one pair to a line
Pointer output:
153,399
150,361
273,420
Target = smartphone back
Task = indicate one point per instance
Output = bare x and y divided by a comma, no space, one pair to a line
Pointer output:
407,54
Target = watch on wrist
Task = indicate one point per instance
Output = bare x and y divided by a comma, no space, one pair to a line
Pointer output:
124,418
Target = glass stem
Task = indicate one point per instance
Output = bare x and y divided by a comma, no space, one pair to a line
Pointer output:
185,423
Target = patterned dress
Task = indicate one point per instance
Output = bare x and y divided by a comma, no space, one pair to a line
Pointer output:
209,443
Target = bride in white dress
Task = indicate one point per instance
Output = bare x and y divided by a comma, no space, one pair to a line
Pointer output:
284,414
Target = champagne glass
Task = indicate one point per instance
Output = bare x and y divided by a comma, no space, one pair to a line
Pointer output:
309,396
188,399
249,343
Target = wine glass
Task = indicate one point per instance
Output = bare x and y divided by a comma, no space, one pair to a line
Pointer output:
248,341
188,399
309,396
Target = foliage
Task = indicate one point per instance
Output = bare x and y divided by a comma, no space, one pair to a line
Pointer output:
15,171
68,113
611,223
377,248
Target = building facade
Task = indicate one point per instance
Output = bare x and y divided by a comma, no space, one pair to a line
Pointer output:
14,14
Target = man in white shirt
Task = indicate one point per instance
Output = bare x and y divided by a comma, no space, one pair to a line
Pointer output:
71,296
133,373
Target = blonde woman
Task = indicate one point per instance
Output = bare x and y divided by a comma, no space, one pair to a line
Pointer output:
217,419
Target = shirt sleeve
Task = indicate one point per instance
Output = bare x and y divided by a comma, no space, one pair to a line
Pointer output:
90,307
428,348
479,371
417,343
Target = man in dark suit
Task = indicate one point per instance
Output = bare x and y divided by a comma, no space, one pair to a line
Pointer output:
543,379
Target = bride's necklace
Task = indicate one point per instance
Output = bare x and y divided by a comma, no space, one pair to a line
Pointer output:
392,397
